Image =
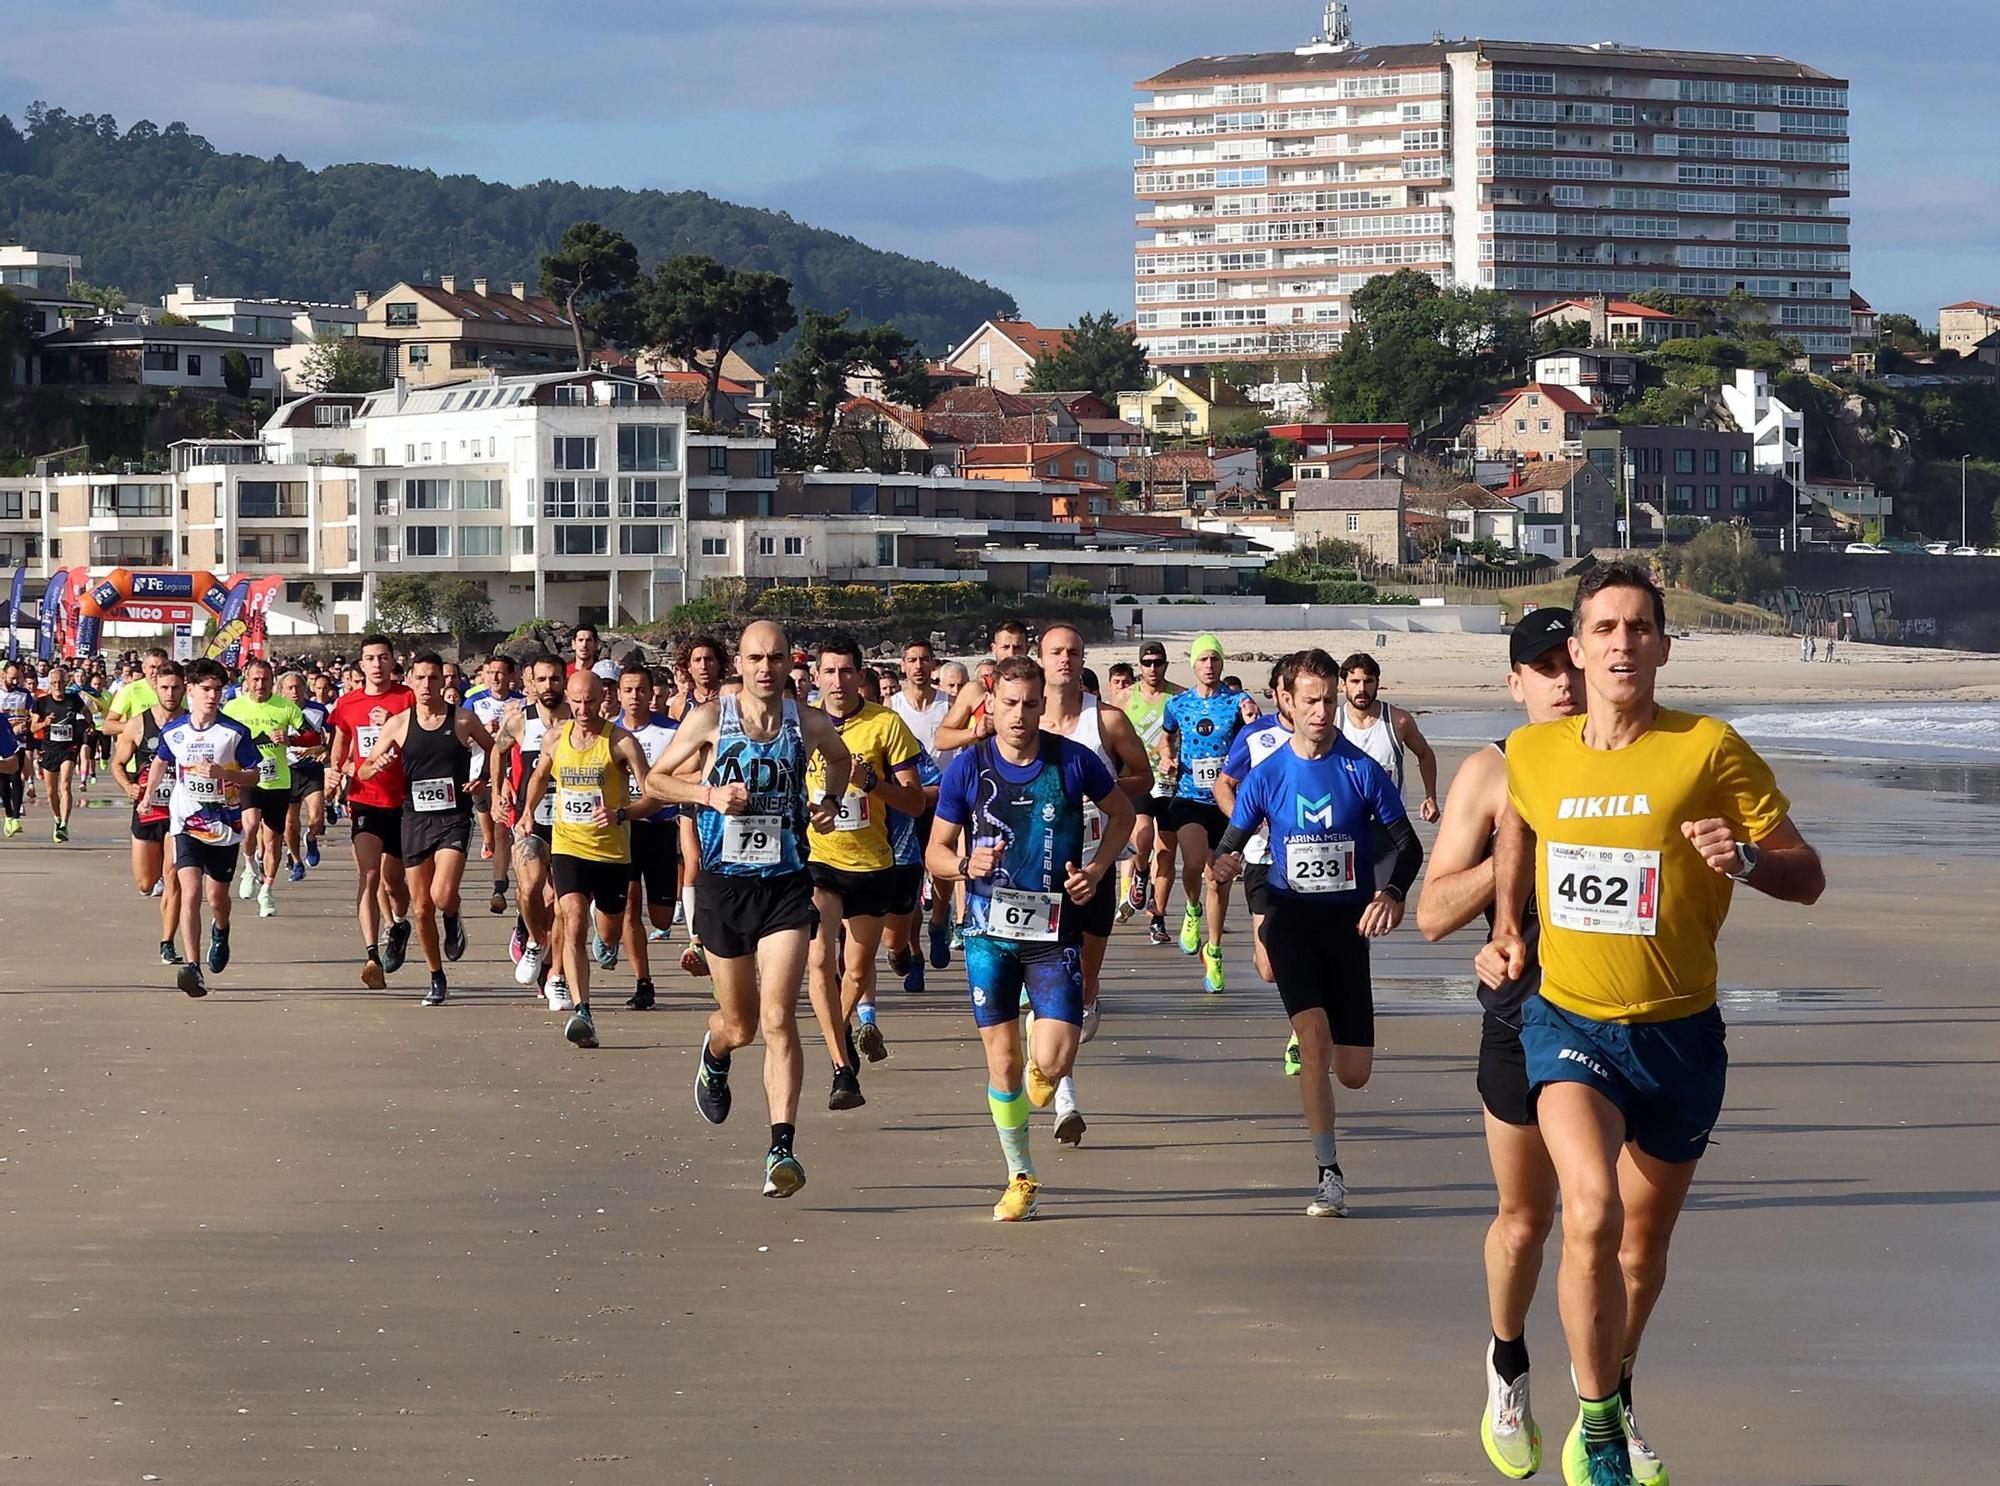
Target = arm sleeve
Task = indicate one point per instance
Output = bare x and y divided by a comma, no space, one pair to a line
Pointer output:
1409,854
1746,789
955,792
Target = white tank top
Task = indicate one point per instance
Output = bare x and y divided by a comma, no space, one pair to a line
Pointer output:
1089,731
1378,740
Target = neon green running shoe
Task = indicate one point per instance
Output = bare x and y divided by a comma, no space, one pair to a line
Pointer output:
1601,1465
1647,1468
1190,930
1211,968
1292,1057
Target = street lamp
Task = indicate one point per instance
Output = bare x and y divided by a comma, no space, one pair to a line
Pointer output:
1964,537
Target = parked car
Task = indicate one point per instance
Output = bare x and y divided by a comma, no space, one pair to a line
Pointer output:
1938,549
1965,552
1864,549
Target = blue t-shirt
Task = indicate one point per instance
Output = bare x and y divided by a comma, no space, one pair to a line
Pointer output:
201,807
1202,729
1319,812
9,744
904,844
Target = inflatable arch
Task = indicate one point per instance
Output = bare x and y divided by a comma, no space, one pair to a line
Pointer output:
102,599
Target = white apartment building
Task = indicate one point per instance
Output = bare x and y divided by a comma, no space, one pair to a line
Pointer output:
24,268
1273,185
291,325
1777,430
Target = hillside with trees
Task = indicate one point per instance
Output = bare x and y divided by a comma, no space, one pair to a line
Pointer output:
149,207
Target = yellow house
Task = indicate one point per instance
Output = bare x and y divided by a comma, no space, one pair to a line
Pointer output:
1205,408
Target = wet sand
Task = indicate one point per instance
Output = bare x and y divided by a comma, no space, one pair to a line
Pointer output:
300,1232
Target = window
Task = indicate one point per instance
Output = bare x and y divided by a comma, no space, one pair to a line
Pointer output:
578,453
580,541
479,495
400,312
130,500
269,499
162,358
576,498
767,546
282,546
864,500
767,464
426,453
420,354
333,415
479,541
427,495
1520,425
194,366
572,395
256,367
795,546
1353,522
115,550
646,541
1543,425
903,499
1711,461
885,550
1739,461
427,541
1712,497
524,541
347,592
644,446
648,499
1739,497
715,546
1683,461
718,459
1684,497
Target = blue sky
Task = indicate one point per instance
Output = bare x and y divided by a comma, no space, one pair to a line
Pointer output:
995,138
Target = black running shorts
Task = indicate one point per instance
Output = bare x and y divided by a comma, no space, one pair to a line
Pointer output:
732,913
1320,961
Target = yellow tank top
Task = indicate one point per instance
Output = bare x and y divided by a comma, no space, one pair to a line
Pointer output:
582,779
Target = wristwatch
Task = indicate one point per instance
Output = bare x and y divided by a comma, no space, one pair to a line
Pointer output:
1746,861
1393,891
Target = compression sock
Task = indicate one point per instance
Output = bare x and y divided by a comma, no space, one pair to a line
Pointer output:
1326,1150
1602,1424
687,907
1510,1358
1066,1089
781,1138
1010,1118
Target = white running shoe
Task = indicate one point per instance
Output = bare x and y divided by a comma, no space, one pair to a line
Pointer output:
528,969
558,991
1090,1014
1513,1442
1069,1119
1330,1201
267,906
159,889
1647,1467
247,888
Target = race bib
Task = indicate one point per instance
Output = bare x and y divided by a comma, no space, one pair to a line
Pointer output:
545,809
365,739
852,812
61,732
1204,772
1093,831
202,787
1320,866
1603,889
427,795
267,771
752,840
163,792
1014,914
579,807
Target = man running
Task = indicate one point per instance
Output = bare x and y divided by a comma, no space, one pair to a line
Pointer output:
1011,826
707,660
587,766
656,837
305,812
17,710
856,886
377,811
1257,742
967,722
209,761
923,706
278,724
152,815
754,898
517,749
1383,732
1196,728
1630,826
1153,838
489,704
1319,796
435,743
61,721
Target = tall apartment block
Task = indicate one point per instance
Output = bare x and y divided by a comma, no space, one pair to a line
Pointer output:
1272,185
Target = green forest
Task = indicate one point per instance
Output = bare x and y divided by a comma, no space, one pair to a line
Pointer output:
148,207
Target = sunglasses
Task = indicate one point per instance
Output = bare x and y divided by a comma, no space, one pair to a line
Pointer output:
1152,660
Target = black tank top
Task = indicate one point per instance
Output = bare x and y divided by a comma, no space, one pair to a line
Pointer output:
431,755
1504,1000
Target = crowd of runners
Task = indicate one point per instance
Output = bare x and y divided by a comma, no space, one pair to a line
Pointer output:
803,815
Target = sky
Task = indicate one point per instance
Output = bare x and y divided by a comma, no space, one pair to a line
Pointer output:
993,138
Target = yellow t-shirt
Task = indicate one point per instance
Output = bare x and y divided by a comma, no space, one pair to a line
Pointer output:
581,778
1630,911
859,841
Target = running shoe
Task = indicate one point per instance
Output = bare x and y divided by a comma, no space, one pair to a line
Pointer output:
188,978
61,832
558,992
395,946
913,978
1211,968
296,872
955,941
528,963
606,955
1157,929
782,1174
1126,908
312,851
1140,888
927,898
1041,1088
218,950
711,1088
436,994
1585,1464
1647,1468
868,1038
454,937
267,903
657,936
497,903
246,888
680,913
1191,930
693,961
846,1092
13,825
168,954
944,939
642,997
581,1030
159,889
1090,1015
1069,1122
1019,1202
372,976
1293,1063
1330,1201
1507,1429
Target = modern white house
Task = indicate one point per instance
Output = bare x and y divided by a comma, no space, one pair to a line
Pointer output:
1777,431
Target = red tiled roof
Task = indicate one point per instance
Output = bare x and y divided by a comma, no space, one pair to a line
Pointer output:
533,311
911,418
1857,303
1623,308
1174,465
1972,304
698,381
1036,341
1022,453
1545,474
1559,397
980,402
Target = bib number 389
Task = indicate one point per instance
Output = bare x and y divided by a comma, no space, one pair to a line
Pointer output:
1603,889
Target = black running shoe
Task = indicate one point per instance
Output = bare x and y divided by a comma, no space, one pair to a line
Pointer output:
436,994
189,980
498,902
454,938
846,1090
711,1088
168,954
642,998
218,950
395,946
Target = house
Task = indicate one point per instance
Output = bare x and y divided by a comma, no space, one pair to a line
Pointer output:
1777,431
1580,495
1852,504
134,355
23,268
1190,478
1003,353
655,362
1600,375
293,324
1366,513
1538,421
1329,438
456,330
1706,473
1039,462
1867,325
986,415
1964,325
1203,408
1617,321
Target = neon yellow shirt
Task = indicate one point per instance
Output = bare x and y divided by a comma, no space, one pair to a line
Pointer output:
269,724
581,779
859,840
1630,911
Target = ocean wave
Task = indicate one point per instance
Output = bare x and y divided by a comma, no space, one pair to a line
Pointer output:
1972,728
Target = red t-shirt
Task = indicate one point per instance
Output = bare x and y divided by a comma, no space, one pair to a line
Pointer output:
361,716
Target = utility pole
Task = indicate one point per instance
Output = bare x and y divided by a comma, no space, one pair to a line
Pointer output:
1964,537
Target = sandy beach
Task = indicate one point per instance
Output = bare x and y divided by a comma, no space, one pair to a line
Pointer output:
302,1233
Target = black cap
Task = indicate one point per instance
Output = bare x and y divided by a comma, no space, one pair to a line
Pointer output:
1152,647
1537,634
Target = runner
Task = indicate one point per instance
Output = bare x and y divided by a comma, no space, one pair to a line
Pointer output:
656,838
1318,796
856,885
1070,711
208,761
1630,826
1384,733
278,724
489,704
377,804
754,899
1011,825
1257,742
434,741
17,710
1196,728
152,815
61,722
1153,839
587,654
707,660
305,811
517,750
922,706
907,835
967,722
587,765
